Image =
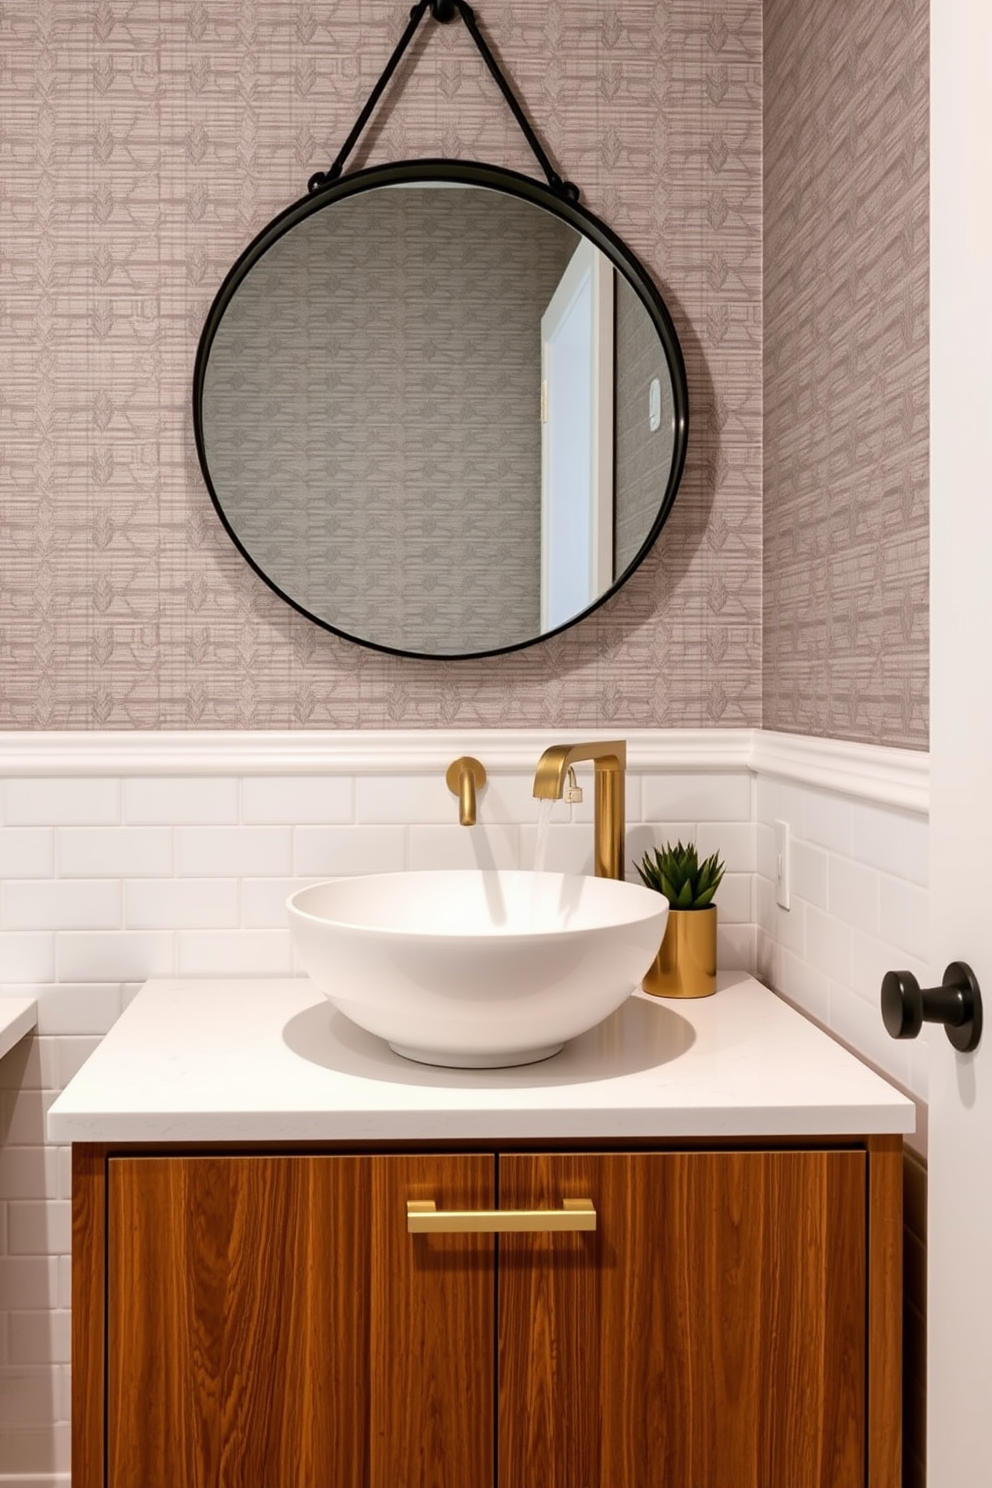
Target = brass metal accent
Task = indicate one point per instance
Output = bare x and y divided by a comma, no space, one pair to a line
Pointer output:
424,1218
464,777
610,761
685,966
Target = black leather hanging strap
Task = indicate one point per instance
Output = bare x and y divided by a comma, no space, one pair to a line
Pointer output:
444,11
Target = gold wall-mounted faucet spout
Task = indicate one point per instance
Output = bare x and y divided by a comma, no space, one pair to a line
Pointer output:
466,776
610,760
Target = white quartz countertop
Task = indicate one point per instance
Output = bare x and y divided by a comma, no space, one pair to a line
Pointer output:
18,1015
271,1060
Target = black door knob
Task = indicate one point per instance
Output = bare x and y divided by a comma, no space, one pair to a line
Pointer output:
957,1003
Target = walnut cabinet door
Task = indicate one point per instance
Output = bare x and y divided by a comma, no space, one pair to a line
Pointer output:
271,1322
272,1325
710,1332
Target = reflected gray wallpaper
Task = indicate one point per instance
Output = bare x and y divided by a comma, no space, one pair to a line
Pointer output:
372,417
144,145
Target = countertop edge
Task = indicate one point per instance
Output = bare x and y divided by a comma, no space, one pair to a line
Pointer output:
124,1129
18,1017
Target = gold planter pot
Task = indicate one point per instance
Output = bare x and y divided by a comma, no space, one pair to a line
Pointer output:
686,964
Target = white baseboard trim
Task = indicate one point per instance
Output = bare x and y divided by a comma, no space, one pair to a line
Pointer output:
890,777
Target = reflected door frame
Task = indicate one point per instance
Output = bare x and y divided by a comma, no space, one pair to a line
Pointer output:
577,505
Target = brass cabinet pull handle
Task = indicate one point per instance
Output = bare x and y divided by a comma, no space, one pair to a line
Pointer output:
424,1218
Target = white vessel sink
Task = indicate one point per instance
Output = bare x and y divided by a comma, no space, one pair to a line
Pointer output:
476,969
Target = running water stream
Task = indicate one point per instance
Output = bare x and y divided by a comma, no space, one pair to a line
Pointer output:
544,810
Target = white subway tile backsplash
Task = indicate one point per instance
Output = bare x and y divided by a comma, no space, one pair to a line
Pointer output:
895,842
859,1024
805,985
853,894
30,1065
65,1172
648,837
569,848
307,799
401,799
68,1007
828,821
28,1173
27,956
327,852
780,800
113,852
809,873
28,1282
27,1395
72,1054
736,843
697,797
39,1227
584,810
734,900
60,802
904,916
735,946
263,902
787,927
114,955
39,1337
871,959
27,852
463,847
80,904
828,945
180,903
220,953
22,1116
172,800
37,1456
765,849
234,852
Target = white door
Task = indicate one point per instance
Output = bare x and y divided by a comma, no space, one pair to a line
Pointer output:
577,438
959,1303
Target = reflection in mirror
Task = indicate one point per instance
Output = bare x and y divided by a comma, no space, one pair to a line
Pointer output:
426,418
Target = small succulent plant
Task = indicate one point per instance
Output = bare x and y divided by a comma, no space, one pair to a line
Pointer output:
677,873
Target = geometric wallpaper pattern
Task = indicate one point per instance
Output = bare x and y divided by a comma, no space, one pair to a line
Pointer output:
846,370
143,145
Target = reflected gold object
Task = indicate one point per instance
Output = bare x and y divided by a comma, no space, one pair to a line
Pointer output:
424,1218
464,778
685,966
610,760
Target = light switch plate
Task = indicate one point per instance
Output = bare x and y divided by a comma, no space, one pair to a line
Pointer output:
783,885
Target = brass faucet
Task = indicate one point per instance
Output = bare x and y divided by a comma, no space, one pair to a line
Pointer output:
464,777
610,760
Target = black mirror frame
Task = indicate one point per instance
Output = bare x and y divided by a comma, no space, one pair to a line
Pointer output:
511,183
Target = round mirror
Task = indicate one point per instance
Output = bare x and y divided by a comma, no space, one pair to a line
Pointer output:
440,410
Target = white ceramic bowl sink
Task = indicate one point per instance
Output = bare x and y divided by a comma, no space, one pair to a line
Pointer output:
476,969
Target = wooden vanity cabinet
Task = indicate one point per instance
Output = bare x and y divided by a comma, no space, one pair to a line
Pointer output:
264,1320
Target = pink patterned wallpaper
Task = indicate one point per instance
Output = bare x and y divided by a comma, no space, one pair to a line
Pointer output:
144,142
846,546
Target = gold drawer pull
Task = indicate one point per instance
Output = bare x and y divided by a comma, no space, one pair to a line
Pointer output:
424,1218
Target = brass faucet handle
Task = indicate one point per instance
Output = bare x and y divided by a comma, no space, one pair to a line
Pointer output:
464,777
